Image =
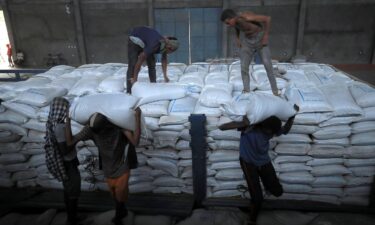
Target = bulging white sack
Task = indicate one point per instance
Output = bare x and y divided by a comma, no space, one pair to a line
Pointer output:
332,132
327,151
293,149
359,162
12,158
113,84
85,86
258,107
164,165
341,100
368,114
10,116
301,177
193,81
151,92
360,152
208,111
34,124
40,97
183,106
363,138
329,170
155,109
15,129
118,108
325,161
23,109
312,118
362,127
309,99
214,96
363,94
224,156
229,174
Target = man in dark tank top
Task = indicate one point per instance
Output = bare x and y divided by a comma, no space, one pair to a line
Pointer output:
255,29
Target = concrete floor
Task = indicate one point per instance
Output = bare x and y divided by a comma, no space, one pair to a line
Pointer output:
226,216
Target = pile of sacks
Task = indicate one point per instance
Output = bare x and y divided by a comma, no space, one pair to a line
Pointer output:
328,156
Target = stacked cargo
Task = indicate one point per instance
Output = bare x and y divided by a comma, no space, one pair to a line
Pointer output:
329,154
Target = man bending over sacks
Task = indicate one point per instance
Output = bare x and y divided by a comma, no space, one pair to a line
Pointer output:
254,159
113,142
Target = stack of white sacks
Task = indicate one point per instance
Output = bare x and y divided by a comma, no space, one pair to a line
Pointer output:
328,156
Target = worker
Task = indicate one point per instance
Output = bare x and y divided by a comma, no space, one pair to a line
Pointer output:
143,44
117,154
9,54
255,29
62,160
254,159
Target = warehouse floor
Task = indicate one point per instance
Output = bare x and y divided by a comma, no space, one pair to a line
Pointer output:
18,206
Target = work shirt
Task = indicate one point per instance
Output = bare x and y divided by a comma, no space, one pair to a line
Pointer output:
254,146
111,145
60,138
148,39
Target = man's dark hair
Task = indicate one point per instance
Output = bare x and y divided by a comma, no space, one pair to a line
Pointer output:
228,14
272,123
98,123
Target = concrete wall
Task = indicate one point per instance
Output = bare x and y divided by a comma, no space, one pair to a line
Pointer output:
95,31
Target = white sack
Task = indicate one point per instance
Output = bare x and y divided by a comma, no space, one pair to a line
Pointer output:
10,116
12,158
329,170
258,107
214,96
209,112
193,81
312,118
368,114
333,132
363,171
85,86
363,138
301,177
152,92
229,174
360,152
224,156
363,94
309,99
155,109
112,84
362,127
164,165
40,97
116,107
329,182
15,129
325,161
341,100
293,149
23,109
183,106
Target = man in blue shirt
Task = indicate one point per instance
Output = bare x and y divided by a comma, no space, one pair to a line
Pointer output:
254,159
143,44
